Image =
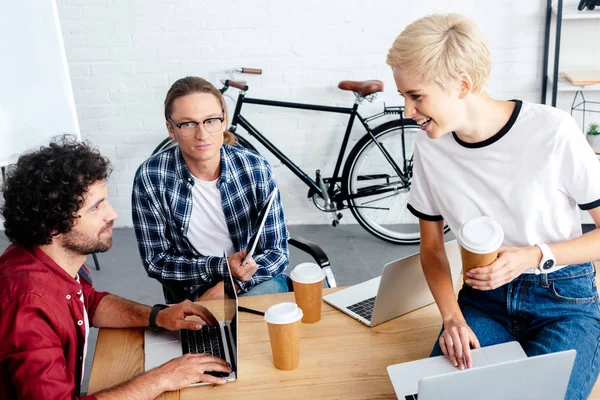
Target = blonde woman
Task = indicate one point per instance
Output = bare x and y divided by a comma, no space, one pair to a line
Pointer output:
525,165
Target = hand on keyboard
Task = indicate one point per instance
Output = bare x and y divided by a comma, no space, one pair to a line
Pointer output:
173,318
189,369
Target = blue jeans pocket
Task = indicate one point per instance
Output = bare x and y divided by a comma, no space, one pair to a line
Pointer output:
577,289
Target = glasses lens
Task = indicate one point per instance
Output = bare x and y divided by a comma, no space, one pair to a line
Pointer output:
189,128
213,125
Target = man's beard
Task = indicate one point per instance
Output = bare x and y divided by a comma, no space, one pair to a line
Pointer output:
82,244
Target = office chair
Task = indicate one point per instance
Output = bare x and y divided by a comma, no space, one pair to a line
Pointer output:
318,254
96,263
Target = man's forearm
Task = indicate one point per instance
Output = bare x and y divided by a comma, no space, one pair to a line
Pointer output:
140,388
183,270
117,312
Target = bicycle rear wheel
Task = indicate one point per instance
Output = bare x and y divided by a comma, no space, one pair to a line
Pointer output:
164,144
377,196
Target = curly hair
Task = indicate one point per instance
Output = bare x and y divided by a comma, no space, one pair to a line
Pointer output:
45,189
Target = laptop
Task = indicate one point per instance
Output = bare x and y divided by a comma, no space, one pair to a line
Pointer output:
220,341
400,289
499,372
263,213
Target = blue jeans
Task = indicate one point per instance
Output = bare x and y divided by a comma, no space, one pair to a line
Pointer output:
278,284
545,314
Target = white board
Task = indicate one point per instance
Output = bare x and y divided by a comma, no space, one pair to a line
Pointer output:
36,98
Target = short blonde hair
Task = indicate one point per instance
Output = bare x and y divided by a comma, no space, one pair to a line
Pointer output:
440,47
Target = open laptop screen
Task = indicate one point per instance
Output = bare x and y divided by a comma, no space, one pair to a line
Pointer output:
230,308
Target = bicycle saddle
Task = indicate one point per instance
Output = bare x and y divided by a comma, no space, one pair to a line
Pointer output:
362,88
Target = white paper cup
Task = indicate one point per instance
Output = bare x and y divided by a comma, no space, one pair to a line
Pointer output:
308,290
283,321
479,238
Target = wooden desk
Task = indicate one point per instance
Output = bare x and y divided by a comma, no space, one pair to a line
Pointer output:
340,358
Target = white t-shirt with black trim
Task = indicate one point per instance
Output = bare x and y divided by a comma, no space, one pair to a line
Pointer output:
531,177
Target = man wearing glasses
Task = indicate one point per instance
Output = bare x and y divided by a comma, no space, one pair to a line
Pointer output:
193,201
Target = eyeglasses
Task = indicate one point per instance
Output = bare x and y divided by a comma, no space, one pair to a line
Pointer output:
189,128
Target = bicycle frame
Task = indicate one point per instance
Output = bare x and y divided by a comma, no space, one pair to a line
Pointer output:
240,120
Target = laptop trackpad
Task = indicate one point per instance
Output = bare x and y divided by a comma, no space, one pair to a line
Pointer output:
161,347
151,337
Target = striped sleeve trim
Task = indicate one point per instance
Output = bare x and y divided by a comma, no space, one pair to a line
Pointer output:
422,216
590,206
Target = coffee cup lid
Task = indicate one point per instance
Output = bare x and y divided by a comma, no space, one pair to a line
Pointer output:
283,313
307,273
481,235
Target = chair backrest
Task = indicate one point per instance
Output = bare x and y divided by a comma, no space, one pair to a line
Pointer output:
176,292
318,254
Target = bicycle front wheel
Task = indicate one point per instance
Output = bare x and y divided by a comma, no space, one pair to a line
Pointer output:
377,195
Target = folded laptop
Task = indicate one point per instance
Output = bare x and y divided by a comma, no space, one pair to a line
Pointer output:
220,341
400,289
499,372
262,216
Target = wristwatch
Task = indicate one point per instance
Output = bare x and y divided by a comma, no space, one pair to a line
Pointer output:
153,314
548,260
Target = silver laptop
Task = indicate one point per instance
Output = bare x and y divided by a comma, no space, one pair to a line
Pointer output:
261,218
400,289
221,341
499,372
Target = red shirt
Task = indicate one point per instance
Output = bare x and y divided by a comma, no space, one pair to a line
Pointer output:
42,332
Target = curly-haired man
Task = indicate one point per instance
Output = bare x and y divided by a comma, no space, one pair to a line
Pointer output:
56,213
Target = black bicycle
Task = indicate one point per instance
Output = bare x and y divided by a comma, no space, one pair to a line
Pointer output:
376,175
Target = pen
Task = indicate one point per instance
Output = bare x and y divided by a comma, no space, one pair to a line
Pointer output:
251,311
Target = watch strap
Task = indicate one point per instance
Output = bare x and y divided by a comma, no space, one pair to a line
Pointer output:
153,314
547,262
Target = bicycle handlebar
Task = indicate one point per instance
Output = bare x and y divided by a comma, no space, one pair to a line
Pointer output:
255,71
235,84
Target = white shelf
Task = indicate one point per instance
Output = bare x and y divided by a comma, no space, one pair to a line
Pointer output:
569,87
570,11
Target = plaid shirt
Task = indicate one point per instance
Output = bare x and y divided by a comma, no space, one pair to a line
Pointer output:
162,207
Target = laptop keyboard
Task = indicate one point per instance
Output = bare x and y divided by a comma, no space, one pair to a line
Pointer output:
364,308
411,397
206,340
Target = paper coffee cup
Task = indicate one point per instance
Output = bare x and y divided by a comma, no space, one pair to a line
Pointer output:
308,290
480,239
283,320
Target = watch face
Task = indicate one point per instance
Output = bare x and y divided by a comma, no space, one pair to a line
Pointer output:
548,264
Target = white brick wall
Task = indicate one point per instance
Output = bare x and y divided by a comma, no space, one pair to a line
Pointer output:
124,54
